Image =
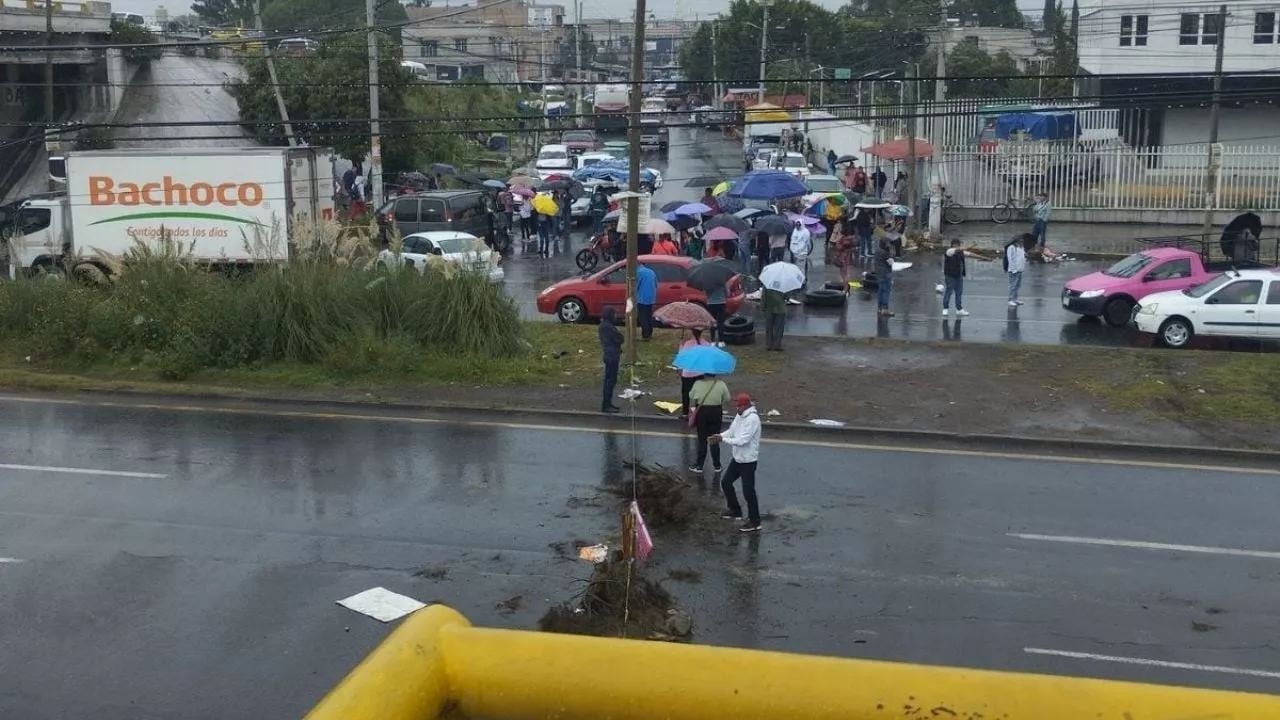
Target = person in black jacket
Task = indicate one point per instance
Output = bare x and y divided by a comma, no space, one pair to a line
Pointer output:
762,251
953,274
611,349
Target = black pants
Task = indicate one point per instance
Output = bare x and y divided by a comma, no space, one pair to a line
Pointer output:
526,227
775,325
686,384
709,421
610,382
718,312
644,318
746,471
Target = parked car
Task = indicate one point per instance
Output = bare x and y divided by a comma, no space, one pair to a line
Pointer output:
587,159
464,251
580,141
617,148
553,160
821,186
579,299
793,163
465,211
654,133
1236,303
1112,293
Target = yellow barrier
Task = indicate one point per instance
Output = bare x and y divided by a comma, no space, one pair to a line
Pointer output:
435,662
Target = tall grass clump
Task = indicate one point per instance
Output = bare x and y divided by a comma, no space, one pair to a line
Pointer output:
326,307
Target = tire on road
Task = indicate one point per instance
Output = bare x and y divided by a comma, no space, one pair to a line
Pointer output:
823,297
1176,332
738,323
571,310
1117,311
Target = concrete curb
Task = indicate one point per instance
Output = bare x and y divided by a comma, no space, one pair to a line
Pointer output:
848,434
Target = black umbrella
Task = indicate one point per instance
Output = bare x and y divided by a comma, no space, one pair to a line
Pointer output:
704,181
1234,231
748,213
444,169
774,225
845,159
671,206
732,222
711,275
471,178
684,222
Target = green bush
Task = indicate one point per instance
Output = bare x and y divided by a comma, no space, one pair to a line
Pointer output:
179,319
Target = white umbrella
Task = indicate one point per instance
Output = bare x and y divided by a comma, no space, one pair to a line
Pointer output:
656,226
782,276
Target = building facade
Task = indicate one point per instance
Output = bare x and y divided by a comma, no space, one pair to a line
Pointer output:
498,40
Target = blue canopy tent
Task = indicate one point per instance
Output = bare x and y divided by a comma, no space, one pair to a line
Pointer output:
1038,125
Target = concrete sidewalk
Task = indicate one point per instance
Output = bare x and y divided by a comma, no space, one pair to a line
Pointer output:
1069,238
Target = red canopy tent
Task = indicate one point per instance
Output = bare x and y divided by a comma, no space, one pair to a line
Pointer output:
897,149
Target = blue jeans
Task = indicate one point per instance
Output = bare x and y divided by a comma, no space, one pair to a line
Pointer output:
1039,231
864,242
610,381
597,223
544,234
952,286
1015,284
883,291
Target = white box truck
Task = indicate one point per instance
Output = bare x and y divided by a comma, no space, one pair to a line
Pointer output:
229,206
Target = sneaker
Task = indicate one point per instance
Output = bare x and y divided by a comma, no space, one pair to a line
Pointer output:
750,527
695,468
962,313
717,468
1014,303
731,516
1019,302
945,312
610,410
720,344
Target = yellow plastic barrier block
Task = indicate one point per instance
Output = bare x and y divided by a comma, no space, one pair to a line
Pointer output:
435,662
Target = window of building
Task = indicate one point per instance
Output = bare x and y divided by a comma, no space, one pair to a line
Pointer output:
430,48
1189,29
1264,28
1126,30
1210,29
1139,30
460,44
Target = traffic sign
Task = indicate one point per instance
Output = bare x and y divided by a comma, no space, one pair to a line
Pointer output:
843,74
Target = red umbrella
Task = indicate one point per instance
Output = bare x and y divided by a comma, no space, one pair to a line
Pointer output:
684,315
897,149
721,233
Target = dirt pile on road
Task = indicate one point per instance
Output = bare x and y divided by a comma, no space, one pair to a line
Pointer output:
620,602
667,499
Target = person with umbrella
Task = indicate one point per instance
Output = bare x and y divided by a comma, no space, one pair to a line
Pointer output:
665,246
707,398
762,250
712,277
611,351
687,378
884,277
831,162
710,201
743,439
546,225
778,281
646,298
801,246
879,180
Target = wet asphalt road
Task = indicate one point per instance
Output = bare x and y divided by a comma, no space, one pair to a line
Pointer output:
199,580
918,307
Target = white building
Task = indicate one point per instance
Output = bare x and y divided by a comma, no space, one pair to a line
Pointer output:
1119,37
546,15
456,51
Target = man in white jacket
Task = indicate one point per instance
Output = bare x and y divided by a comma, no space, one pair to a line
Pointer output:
1015,262
743,439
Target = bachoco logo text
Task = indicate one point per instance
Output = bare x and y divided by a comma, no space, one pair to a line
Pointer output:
176,196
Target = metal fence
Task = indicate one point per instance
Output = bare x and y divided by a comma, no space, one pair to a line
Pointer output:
1109,175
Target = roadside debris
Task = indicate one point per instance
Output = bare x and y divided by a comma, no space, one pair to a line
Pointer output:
615,605
667,498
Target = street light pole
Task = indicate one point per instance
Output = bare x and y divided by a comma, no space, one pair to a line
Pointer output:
633,167
764,44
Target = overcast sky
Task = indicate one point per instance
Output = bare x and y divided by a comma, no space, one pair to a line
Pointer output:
682,9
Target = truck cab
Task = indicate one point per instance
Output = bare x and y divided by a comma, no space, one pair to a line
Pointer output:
654,132
38,232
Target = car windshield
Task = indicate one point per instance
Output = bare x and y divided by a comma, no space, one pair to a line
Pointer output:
1129,266
825,185
1203,289
795,161
553,155
459,244
578,137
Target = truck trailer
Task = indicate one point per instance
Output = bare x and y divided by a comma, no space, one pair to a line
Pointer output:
225,206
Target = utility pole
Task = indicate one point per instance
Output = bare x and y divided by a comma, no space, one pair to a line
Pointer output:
764,44
1215,156
633,163
577,55
375,128
48,63
940,83
715,64
912,181
275,80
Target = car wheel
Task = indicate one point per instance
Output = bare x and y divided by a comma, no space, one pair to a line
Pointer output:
571,310
1117,311
823,297
1176,332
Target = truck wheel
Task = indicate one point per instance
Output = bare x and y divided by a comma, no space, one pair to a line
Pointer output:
1117,311
1176,333
571,310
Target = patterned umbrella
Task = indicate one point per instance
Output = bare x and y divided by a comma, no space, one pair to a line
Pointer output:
684,315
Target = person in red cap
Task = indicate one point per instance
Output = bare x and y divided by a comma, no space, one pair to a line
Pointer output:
743,439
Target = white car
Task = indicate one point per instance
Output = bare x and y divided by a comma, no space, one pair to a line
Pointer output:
765,158
553,160
793,163
462,250
581,207
1237,303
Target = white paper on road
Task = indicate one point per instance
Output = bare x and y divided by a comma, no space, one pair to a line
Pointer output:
899,265
820,422
381,604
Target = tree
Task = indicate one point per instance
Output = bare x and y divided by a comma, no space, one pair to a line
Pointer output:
224,13
327,14
124,33
974,73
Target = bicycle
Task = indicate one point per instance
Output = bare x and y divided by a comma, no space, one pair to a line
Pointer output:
952,211
1003,212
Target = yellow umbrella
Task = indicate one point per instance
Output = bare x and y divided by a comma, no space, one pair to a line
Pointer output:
545,205
721,189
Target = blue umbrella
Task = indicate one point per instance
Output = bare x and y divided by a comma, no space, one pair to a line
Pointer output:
494,184
705,360
693,209
768,185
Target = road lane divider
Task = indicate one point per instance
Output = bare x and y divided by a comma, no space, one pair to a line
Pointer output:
1141,545
1148,662
83,471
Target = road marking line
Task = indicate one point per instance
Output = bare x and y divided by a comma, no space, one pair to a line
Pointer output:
1153,663
10,561
83,471
1138,544
642,433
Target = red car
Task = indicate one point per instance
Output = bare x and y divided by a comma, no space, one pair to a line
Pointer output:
580,141
579,299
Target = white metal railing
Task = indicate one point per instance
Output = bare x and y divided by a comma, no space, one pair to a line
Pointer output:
1110,175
